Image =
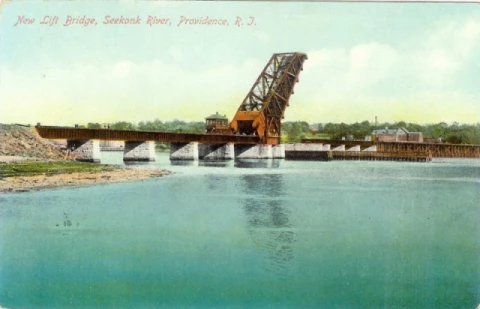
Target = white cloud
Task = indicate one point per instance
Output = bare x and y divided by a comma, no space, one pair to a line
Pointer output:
327,58
349,72
446,52
337,84
372,57
122,69
420,83
459,39
128,91
441,60
435,63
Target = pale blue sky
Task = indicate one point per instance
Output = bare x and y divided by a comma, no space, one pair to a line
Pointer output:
412,62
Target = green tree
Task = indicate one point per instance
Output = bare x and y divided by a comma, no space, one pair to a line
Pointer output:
320,127
94,125
123,125
293,132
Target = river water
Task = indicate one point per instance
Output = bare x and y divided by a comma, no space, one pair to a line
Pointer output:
250,234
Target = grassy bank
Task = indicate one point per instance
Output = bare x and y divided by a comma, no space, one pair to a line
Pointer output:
31,168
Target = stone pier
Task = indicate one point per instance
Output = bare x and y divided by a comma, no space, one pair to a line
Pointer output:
139,151
253,151
371,149
184,151
354,148
308,147
84,150
304,147
216,151
339,148
278,151
309,151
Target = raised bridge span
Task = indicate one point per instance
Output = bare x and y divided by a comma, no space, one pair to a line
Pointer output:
254,131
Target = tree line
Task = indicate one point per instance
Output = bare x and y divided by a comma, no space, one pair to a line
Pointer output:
177,126
294,131
454,133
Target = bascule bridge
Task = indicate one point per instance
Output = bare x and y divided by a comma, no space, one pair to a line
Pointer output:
254,131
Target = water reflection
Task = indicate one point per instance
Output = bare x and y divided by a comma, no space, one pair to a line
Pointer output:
137,163
257,163
268,222
184,162
215,182
243,163
210,163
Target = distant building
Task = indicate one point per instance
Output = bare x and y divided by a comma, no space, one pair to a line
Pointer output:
415,137
397,135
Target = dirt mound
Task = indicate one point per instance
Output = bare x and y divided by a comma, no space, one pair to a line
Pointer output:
17,140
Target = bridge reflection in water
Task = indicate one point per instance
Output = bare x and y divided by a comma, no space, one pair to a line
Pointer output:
267,217
269,224
216,163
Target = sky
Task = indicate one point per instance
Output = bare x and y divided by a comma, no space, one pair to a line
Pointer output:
413,62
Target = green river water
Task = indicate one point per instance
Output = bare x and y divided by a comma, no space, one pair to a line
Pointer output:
250,234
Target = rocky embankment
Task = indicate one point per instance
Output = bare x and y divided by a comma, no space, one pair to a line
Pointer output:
22,142
29,162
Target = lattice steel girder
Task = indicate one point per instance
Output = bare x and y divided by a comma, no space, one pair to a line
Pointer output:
270,95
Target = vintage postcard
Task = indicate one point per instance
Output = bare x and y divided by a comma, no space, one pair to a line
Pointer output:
239,154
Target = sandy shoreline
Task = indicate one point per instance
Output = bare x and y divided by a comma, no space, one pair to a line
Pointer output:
39,182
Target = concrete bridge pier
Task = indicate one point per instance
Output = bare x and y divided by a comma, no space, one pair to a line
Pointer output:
371,149
243,151
139,151
339,148
216,151
354,148
84,150
278,151
308,147
184,151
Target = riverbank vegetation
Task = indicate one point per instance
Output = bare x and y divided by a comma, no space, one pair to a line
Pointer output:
37,176
454,133
29,162
156,125
31,168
